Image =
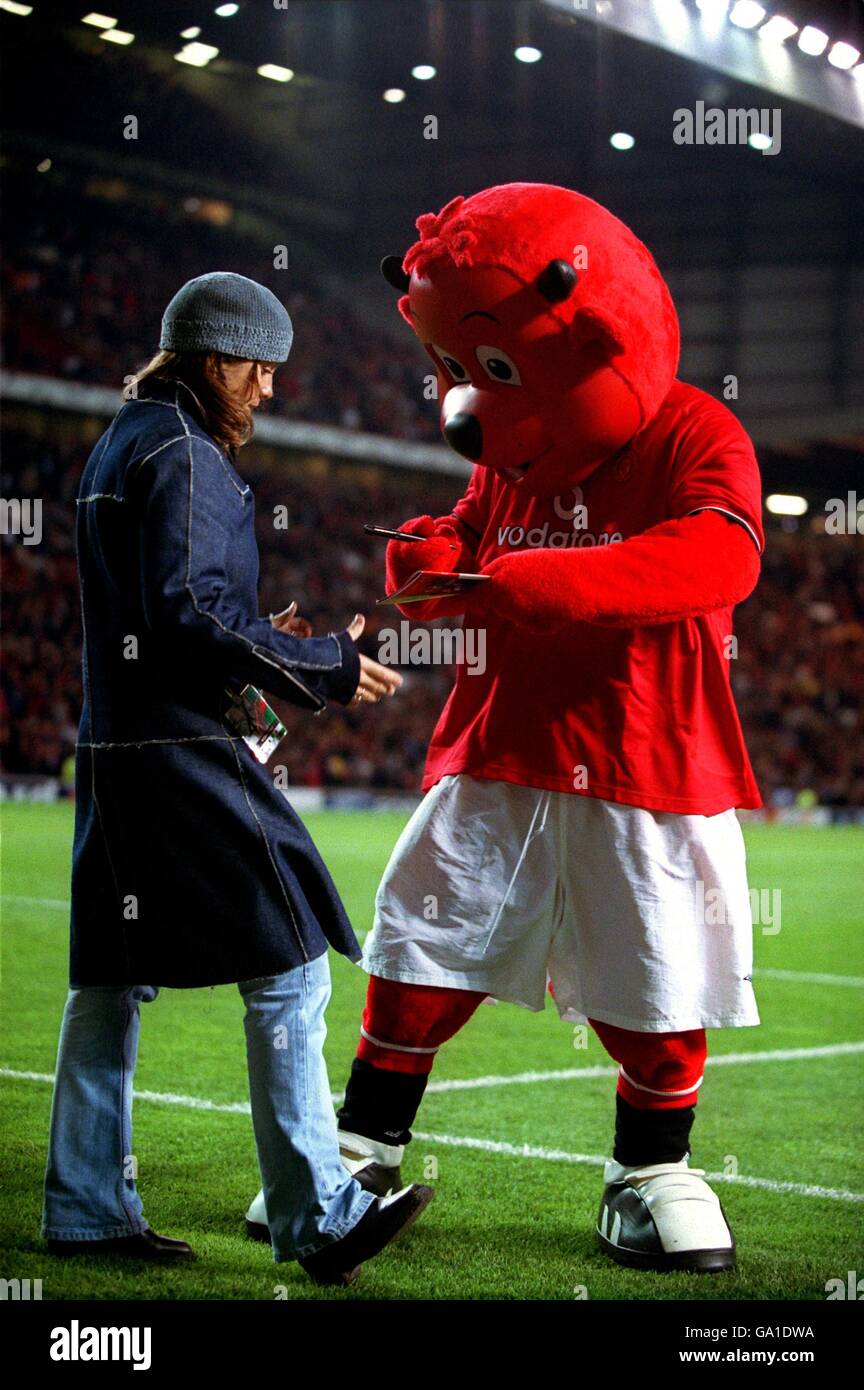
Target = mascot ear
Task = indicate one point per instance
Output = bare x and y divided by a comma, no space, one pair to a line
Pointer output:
557,281
598,326
391,269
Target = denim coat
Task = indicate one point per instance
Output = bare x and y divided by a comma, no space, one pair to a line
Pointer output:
189,866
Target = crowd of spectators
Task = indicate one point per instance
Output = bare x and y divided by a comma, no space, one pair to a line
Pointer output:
83,295
40,681
798,671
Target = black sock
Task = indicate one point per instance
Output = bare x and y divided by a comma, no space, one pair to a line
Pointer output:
651,1136
381,1104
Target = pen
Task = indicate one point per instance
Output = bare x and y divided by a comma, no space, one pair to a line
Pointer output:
391,535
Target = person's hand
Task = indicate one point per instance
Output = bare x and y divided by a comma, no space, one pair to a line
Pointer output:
287,621
376,681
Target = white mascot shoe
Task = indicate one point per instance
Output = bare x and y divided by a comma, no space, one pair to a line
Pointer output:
664,1216
256,1219
374,1165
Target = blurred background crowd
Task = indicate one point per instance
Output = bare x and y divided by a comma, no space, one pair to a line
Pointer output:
84,289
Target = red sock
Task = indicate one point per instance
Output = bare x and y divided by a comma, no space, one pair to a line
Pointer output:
658,1071
404,1025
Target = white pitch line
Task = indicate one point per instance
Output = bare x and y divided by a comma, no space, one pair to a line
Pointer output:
475,1083
61,903
799,1189
811,977
491,1146
520,1078
228,1107
496,1146
789,1054
233,1107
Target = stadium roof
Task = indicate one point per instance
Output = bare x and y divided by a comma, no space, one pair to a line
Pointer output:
324,154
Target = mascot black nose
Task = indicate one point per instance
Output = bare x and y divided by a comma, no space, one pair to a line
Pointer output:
463,433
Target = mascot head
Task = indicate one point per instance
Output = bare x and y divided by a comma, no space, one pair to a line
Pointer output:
552,331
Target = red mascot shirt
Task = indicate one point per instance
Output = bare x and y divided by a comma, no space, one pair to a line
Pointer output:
644,715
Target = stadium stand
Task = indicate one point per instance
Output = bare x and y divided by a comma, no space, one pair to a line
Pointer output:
84,291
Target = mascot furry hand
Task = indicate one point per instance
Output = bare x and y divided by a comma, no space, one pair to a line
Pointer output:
556,342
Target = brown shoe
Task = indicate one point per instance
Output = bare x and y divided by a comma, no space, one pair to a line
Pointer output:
386,1218
146,1245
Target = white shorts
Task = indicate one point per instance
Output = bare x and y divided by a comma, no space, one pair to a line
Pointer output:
638,918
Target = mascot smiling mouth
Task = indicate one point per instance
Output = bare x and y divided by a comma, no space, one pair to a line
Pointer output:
516,475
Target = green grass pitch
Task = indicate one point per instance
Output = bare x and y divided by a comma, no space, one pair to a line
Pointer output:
505,1224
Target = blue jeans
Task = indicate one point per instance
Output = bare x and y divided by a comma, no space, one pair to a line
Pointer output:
90,1191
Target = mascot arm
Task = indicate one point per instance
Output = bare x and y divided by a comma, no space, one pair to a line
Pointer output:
679,569
444,549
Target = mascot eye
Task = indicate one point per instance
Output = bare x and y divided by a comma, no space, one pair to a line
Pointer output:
498,365
454,367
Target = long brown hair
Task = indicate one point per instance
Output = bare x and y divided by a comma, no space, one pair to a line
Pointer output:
228,421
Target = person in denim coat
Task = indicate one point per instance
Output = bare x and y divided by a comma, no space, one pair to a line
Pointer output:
189,866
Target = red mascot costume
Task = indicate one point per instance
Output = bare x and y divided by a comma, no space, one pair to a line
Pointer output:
580,793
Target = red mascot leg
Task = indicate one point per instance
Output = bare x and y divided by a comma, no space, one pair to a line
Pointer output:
403,1027
658,1085
659,1071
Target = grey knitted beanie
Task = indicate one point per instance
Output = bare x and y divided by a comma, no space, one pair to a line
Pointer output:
224,312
